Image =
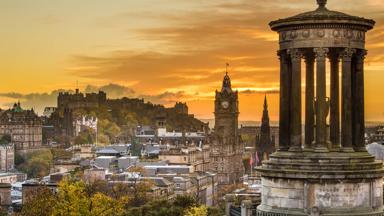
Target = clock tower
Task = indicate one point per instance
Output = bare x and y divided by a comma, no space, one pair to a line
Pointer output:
227,149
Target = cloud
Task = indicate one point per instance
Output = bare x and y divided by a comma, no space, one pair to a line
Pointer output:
262,91
166,98
112,90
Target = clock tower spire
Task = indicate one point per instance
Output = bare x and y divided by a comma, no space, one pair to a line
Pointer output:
227,149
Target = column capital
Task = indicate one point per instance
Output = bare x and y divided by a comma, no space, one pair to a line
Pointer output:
295,54
347,53
320,52
360,54
309,57
282,54
334,56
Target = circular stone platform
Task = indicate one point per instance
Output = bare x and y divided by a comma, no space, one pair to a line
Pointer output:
333,183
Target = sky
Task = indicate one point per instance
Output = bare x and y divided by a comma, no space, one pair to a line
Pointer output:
161,50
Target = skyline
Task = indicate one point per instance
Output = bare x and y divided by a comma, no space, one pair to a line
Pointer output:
162,52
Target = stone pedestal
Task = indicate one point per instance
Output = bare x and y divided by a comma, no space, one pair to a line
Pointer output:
332,184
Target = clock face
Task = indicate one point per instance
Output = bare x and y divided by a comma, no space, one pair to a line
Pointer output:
225,104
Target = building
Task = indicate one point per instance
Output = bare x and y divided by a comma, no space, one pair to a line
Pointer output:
250,133
7,157
226,148
85,123
197,157
377,136
80,100
265,142
146,134
11,178
181,108
24,127
48,111
322,173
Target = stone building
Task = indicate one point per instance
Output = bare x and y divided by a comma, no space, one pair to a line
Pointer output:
7,157
329,173
265,142
197,157
250,133
24,127
181,108
226,148
80,100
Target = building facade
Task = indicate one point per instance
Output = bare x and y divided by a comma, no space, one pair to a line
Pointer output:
24,127
80,100
227,150
7,157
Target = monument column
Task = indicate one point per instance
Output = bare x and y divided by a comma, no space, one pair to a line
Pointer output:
309,98
358,100
285,80
295,118
334,101
321,105
346,112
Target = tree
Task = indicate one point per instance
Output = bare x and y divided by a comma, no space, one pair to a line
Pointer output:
77,198
196,211
36,164
139,186
5,139
41,202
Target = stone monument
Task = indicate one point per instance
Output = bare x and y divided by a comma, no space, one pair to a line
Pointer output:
322,173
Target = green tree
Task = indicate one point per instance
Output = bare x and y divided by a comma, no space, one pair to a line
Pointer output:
5,139
36,164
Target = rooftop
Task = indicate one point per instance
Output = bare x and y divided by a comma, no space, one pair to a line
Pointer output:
322,15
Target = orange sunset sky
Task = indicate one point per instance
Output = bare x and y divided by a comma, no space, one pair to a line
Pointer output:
161,50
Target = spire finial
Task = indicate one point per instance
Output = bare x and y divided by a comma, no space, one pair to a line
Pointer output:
226,68
321,3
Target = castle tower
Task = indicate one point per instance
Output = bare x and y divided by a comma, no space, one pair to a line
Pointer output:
227,149
327,174
264,144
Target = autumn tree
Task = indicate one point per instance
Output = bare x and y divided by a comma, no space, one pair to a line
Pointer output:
36,164
196,211
41,202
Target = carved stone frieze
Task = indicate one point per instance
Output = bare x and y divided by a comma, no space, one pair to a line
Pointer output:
327,37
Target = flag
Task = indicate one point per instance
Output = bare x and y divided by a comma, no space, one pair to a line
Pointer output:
251,161
257,158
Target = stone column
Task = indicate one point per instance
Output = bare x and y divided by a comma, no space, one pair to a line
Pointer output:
285,92
309,98
334,102
321,104
346,112
295,115
358,125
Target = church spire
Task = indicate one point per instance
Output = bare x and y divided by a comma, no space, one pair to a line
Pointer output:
227,81
265,118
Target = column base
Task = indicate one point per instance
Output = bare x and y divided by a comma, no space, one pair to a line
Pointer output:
321,149
307,149
295,149
283,149
335,148
360,149
347,149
